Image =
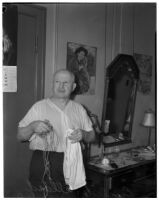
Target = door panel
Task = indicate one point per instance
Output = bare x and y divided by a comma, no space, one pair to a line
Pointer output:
27,90
30,84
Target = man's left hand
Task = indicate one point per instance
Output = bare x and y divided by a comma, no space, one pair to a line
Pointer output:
76,136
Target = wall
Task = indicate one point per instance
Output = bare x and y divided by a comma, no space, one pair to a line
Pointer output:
71,25
144,43
112,28
130,28
84,24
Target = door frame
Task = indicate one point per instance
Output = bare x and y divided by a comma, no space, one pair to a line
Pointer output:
40,36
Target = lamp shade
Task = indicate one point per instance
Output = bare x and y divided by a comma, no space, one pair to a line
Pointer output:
149,119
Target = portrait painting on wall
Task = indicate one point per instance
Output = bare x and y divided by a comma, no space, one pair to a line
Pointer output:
9,42
81,60
144,63
10,24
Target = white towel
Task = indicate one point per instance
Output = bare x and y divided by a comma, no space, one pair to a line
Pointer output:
73,167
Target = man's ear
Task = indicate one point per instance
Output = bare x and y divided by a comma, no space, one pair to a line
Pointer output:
74,86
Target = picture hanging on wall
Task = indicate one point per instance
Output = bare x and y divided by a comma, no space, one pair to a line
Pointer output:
144,63
81,60
10,27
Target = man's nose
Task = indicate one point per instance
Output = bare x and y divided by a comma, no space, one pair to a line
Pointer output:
61,85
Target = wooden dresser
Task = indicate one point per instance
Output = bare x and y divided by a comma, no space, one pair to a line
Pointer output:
134,175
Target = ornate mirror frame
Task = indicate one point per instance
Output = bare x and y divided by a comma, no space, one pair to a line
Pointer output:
121,80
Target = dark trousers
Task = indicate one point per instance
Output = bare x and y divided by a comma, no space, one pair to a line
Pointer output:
46,175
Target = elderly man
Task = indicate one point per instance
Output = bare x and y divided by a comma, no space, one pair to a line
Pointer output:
49,126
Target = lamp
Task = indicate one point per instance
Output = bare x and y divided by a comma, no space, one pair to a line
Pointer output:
149,122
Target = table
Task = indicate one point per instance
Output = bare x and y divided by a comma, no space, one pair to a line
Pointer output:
135,166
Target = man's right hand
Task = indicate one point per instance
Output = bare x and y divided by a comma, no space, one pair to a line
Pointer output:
40,127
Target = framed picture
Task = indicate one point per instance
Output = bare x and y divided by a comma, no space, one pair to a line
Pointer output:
81,60
144,63
10,27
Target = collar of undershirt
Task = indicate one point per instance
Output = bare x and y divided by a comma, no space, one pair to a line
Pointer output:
52,104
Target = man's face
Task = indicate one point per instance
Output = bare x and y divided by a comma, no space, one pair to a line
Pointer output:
63,85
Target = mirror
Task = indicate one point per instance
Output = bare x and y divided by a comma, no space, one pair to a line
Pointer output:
119,100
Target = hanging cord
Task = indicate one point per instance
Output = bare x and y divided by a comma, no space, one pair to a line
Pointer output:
46,168
46,160
51,143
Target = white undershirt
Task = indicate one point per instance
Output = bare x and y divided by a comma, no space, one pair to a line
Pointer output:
47,110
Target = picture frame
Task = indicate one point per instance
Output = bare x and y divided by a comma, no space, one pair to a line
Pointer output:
144,63
81,60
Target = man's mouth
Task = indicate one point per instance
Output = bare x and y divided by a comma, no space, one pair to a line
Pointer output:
62,91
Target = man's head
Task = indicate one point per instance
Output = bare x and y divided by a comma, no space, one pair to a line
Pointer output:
63,84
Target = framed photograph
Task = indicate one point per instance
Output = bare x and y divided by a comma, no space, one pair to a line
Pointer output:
81,60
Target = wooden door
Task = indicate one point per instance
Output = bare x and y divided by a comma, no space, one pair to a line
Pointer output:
30,88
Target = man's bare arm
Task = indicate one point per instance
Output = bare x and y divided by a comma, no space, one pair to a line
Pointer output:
38,127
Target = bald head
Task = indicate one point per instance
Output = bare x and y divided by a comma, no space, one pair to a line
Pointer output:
65,71
63,83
